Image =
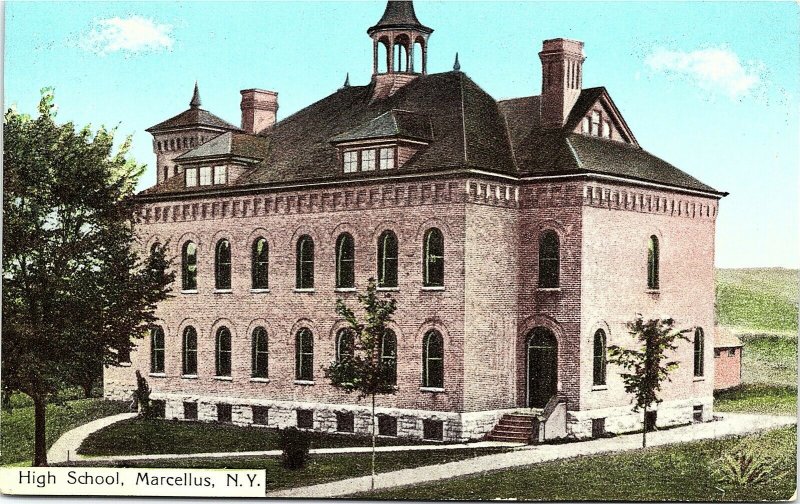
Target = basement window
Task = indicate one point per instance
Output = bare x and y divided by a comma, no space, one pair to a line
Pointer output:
433,430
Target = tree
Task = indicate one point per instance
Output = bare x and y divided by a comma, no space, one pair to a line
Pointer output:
647,367
74,290
364,371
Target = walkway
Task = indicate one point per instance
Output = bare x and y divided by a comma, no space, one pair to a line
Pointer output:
66,447
732,424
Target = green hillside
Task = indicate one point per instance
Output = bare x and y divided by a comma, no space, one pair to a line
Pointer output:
758,300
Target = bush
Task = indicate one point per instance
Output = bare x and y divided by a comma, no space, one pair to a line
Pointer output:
295,444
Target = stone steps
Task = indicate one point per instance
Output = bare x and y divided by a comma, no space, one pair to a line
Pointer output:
514,428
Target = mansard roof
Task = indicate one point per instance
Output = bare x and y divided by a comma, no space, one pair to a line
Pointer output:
462,126
190,118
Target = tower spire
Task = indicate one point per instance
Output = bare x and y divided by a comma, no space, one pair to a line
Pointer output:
456,64
195,103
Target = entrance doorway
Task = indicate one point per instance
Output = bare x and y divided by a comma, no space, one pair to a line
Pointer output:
542,367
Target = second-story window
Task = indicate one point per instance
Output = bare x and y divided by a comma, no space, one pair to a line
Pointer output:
223,264
305,263
387,158
205,175
345,261
260,266
652,263
549,260
189,266
433,257
367,160
350,161
387,259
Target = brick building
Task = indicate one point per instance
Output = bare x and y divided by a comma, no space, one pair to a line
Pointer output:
727,359
517,236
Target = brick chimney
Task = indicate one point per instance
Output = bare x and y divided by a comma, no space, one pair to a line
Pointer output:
562,77
259,109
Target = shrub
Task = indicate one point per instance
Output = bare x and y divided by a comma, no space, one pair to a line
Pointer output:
746,467
295,444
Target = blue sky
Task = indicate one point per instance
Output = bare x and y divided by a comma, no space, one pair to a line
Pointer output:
710,87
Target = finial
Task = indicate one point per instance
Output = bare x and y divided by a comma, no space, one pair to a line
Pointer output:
346,81
456,65
195,103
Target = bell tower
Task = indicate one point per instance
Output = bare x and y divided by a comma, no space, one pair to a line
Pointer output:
399,48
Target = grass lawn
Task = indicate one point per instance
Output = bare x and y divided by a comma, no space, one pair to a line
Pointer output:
758,398
677,472
16,426
769,359
138,436
320,468
758,299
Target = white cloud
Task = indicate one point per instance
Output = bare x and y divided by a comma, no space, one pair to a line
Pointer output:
130,35
713,69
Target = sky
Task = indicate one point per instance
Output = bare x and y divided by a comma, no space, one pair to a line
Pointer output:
710,87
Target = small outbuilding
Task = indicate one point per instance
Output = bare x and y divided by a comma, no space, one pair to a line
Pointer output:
727,359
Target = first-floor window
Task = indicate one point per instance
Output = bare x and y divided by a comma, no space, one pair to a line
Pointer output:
387,158
345,343
699,347
304,356
221,174
350,161
599,374
260,353
223,352
389,355
191,177
157,350
205,175
433,360
190,351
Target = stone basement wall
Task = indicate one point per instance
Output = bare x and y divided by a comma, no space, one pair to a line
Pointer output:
622,419
282,414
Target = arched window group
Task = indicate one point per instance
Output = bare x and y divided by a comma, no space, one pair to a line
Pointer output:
599,360
549,260
699,349
387,267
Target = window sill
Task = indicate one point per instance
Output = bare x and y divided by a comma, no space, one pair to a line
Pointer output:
189,376
653,291
223,291
158,375
259,291
431,389
699,378
345,289
309,291
599,387
548,289
259,380
433,288
304,382
189,291
388,289
124,364
224,378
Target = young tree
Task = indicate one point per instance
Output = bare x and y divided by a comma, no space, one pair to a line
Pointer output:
647,367
364,371
72,283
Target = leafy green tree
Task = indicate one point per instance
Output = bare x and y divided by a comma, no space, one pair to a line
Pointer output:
74,290
364,371
647,367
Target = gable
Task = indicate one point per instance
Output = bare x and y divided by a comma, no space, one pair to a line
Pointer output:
595,114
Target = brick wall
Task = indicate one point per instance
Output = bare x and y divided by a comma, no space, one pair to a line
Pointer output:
727,368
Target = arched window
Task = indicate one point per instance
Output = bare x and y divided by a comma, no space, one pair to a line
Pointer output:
157,350
652,263
699,348
189,352
433,258
345,262
549,260
387,259
304,355
222,262
345,344
260,368
433,360
260,264
599,357
389,355
305,263
223,352
189,266
154,248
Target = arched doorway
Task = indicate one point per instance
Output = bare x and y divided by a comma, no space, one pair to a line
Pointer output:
542,366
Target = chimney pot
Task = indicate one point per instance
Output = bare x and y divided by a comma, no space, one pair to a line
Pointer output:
259,109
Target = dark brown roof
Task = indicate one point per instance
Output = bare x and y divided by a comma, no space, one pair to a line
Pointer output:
193,117
463,126
399,14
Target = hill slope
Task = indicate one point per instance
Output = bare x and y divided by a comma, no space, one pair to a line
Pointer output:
758,299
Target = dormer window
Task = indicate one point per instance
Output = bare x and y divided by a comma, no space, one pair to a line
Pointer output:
351,161
368,160
220,174
205,175
387,158
191,177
